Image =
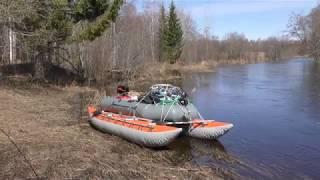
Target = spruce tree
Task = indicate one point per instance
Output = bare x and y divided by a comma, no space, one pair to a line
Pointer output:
162,31
173,36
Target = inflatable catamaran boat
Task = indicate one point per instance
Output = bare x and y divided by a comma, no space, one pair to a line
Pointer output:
155,118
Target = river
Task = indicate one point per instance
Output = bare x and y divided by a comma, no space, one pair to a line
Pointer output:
275,108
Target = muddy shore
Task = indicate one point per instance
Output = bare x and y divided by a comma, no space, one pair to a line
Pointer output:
45,134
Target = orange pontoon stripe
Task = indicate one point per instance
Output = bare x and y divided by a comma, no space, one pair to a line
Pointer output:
209,124
138,124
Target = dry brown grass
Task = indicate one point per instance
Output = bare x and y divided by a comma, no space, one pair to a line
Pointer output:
49,126
203,66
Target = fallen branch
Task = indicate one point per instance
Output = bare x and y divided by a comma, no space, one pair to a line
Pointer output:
20,152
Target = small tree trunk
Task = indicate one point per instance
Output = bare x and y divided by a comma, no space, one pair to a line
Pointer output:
82,55
39,68
152,36
114,46
12,43
41,63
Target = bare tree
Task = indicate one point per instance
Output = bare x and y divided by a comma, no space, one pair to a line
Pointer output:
307,30
315,33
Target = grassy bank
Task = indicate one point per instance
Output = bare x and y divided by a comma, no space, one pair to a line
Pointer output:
45,133
209,66
145,73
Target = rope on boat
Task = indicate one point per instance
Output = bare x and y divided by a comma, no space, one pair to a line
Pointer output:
150,125
189,122
162,112
184,110
167,111
133,108
200,116
141,100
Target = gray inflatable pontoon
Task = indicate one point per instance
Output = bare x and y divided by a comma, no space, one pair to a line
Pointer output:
208,129
137,130
173,112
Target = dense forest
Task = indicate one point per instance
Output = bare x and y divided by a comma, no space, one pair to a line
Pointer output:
95,39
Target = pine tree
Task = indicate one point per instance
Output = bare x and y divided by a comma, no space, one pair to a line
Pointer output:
44,26
173,36
89,9
99,13
161,35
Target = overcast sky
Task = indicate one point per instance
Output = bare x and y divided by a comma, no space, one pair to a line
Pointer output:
254,18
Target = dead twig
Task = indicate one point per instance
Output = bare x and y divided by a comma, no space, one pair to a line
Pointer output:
20,152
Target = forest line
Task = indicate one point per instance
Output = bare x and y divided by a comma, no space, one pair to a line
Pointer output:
98,39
